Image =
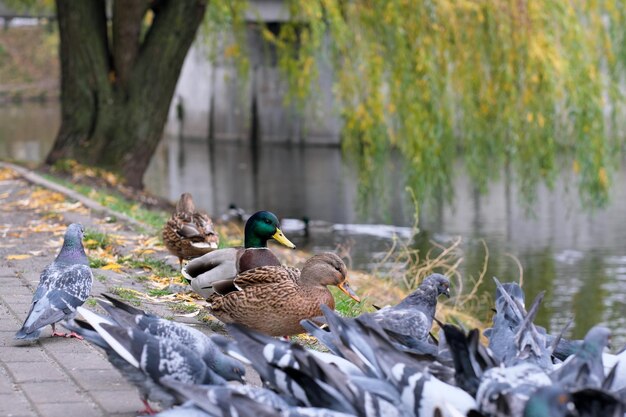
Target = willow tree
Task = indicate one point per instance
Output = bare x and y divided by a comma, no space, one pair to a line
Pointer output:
502,83
118,75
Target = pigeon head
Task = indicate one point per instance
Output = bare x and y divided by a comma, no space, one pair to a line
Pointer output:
550,401
438,281
596,340
72,250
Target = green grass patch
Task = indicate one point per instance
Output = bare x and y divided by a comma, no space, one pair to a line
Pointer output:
183,308
154,218
346,306
95,239
159,292
101,278
91,302
126,295
159,267
96,262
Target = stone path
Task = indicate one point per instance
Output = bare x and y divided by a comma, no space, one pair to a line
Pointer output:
53,376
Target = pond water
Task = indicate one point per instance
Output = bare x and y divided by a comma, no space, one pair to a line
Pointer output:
578,257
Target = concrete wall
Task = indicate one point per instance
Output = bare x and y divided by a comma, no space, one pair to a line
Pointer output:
217,103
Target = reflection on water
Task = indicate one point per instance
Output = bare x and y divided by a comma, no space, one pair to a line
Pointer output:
579,258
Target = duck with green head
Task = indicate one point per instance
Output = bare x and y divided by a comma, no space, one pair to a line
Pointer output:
218,269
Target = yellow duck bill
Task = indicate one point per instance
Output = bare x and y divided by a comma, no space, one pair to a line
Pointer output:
280,238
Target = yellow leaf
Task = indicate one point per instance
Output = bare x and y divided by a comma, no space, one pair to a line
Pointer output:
113,267
603,178
18,257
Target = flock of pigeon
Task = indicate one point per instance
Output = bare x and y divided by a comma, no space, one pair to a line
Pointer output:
386,363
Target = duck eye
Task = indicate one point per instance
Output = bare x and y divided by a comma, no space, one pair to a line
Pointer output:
268,221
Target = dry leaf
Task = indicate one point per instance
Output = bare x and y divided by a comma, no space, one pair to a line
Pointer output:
113,267
18,257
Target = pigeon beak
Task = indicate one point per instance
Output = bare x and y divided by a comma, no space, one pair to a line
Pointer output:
345,287
280,238
447,292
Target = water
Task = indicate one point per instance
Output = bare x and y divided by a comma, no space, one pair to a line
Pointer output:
578,257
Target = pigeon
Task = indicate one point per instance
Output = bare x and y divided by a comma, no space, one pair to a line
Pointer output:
413,316
126,315
148,389
154,356
557,401
63,286
509,315
585,369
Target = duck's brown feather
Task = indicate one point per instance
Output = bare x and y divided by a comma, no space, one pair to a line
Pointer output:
270,300
188,233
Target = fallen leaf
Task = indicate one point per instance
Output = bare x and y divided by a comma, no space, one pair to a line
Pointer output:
194,314
18,257
113,267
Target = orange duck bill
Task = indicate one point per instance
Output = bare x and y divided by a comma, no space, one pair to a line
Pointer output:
345,287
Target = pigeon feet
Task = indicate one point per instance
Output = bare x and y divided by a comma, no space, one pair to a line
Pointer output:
147,410
58,334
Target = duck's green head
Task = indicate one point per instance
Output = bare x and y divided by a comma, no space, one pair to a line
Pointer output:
261,227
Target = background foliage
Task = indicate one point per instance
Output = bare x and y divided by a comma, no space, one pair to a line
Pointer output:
533,86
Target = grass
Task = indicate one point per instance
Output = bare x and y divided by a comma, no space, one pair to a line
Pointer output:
183,308
96,262
153,218
346,306
96,240
126,294
159,267
91,302
100,277
159,292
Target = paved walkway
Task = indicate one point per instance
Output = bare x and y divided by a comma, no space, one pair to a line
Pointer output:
53,376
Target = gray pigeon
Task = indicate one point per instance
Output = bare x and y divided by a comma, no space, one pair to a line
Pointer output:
413,316
126,315
154,356
584,369
64,285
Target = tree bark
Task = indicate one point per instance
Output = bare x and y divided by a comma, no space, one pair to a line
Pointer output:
115,95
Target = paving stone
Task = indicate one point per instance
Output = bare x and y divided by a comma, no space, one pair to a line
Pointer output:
6,337
16,290
115,402
9,323
35,371
17,299
52,392
69,409
22,353
15,405
89,360
6,383
61,347
101,380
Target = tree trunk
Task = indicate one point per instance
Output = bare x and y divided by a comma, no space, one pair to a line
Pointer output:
115,93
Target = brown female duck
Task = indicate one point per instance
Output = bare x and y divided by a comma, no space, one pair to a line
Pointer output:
274,299
189,233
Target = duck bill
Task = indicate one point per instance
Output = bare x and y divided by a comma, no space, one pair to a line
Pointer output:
280,238
345,287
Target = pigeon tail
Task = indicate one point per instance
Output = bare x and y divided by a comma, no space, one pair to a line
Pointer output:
23,334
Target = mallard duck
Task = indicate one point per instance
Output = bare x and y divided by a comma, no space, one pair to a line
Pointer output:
220,267
274,299
189,233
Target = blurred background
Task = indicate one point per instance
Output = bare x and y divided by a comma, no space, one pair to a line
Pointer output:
377,122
